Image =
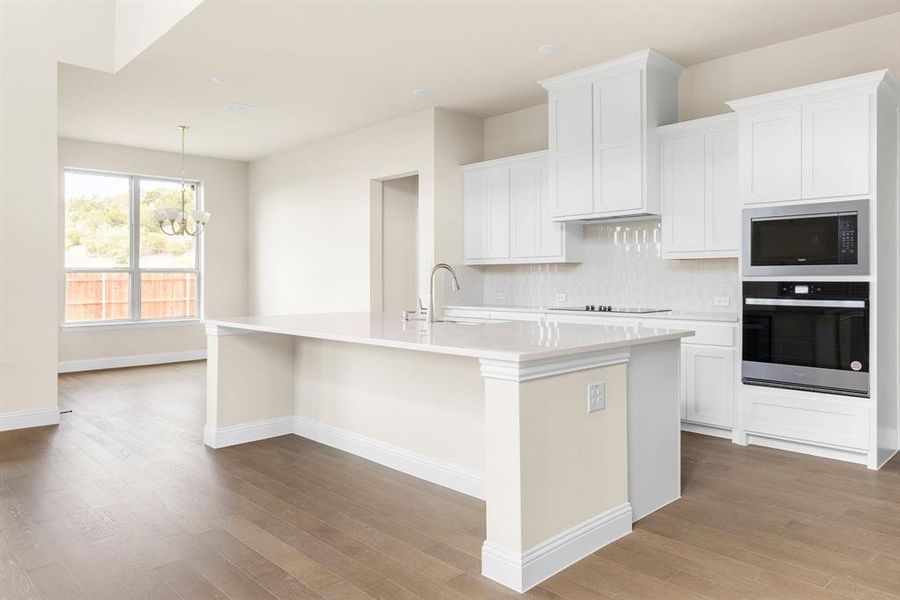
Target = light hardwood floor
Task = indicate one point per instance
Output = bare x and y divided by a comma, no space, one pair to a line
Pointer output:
122,500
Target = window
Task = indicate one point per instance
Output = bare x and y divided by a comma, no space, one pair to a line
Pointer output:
119,266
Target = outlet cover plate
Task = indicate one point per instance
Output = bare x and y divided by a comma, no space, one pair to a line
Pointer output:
560,296
721,300
501,296
596,396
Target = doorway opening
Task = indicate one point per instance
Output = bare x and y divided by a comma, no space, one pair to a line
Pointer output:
395,239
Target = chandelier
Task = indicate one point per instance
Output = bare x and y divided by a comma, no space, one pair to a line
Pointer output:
172,221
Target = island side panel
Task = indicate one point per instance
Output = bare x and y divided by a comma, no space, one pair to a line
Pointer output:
418,412
250,386
654,426
557,475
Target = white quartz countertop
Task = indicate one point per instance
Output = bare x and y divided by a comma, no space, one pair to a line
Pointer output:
674,315
502,340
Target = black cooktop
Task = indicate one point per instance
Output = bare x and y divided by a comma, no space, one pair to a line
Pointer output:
632,310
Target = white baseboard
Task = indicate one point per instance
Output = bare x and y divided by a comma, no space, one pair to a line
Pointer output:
20,419
721,432
442,473
521,572
247,432
852,456
134,360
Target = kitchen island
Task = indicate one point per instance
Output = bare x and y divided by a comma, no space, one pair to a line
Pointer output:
568,432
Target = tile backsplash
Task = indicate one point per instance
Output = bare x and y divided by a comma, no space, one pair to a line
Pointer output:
622,266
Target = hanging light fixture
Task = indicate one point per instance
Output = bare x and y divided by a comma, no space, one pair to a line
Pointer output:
172,221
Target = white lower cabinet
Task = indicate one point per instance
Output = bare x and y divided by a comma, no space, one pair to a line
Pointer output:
507,214
708,374
807,417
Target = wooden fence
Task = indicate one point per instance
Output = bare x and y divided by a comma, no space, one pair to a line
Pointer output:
106,296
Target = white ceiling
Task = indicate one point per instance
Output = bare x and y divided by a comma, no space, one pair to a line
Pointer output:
315,69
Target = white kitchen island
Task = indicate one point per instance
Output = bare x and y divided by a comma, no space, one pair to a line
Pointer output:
496,410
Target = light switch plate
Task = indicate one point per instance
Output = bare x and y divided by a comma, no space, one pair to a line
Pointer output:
500,296
596,396
721,300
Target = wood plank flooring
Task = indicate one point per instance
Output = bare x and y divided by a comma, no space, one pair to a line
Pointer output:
123,500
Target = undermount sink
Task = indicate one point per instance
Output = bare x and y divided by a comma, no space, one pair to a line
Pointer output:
469,321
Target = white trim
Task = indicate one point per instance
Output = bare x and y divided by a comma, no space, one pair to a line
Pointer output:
723,122
863,82
521,572
846,455
634,60
20,419
114,325
536,157
548,367
220,330
720,432
442,473
134,360
247,432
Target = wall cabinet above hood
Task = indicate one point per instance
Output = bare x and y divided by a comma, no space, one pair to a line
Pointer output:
604,150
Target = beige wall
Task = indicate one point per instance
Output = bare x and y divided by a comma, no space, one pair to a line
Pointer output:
224,269
703,88
297,265
429,404
857,48
516,132
399,222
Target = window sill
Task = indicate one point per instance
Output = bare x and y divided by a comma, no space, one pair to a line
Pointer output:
112,326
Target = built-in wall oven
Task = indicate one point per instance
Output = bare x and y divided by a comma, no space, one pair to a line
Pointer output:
807,240
807,335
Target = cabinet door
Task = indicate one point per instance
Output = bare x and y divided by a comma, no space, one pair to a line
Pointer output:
497,197
836,147
770,155
618,164
683,193
475,215
571,175
524,211
709,378
723,201
550,234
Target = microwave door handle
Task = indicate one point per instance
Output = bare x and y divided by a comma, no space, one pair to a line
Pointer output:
799,302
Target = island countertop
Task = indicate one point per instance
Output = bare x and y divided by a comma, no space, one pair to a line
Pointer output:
519,341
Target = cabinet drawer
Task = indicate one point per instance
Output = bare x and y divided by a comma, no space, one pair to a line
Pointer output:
806,417
706,334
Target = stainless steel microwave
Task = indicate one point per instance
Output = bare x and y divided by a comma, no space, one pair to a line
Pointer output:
831,238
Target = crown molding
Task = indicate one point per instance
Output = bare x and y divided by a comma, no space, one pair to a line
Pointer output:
723,122
864,82
642,58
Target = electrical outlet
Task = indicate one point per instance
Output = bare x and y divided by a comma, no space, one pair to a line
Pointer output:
560,296
501,296
596,397
721,300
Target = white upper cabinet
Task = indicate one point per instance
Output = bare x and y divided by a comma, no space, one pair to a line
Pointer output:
571,151
507,217
700,192
604,160
835,147
770,156
808,143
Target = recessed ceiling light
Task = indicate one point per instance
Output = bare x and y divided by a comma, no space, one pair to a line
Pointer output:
550,49
420,91
239,107
222,80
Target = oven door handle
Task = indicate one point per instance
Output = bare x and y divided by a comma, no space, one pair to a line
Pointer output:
798,302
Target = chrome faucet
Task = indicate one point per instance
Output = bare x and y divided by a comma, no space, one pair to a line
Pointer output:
454,281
